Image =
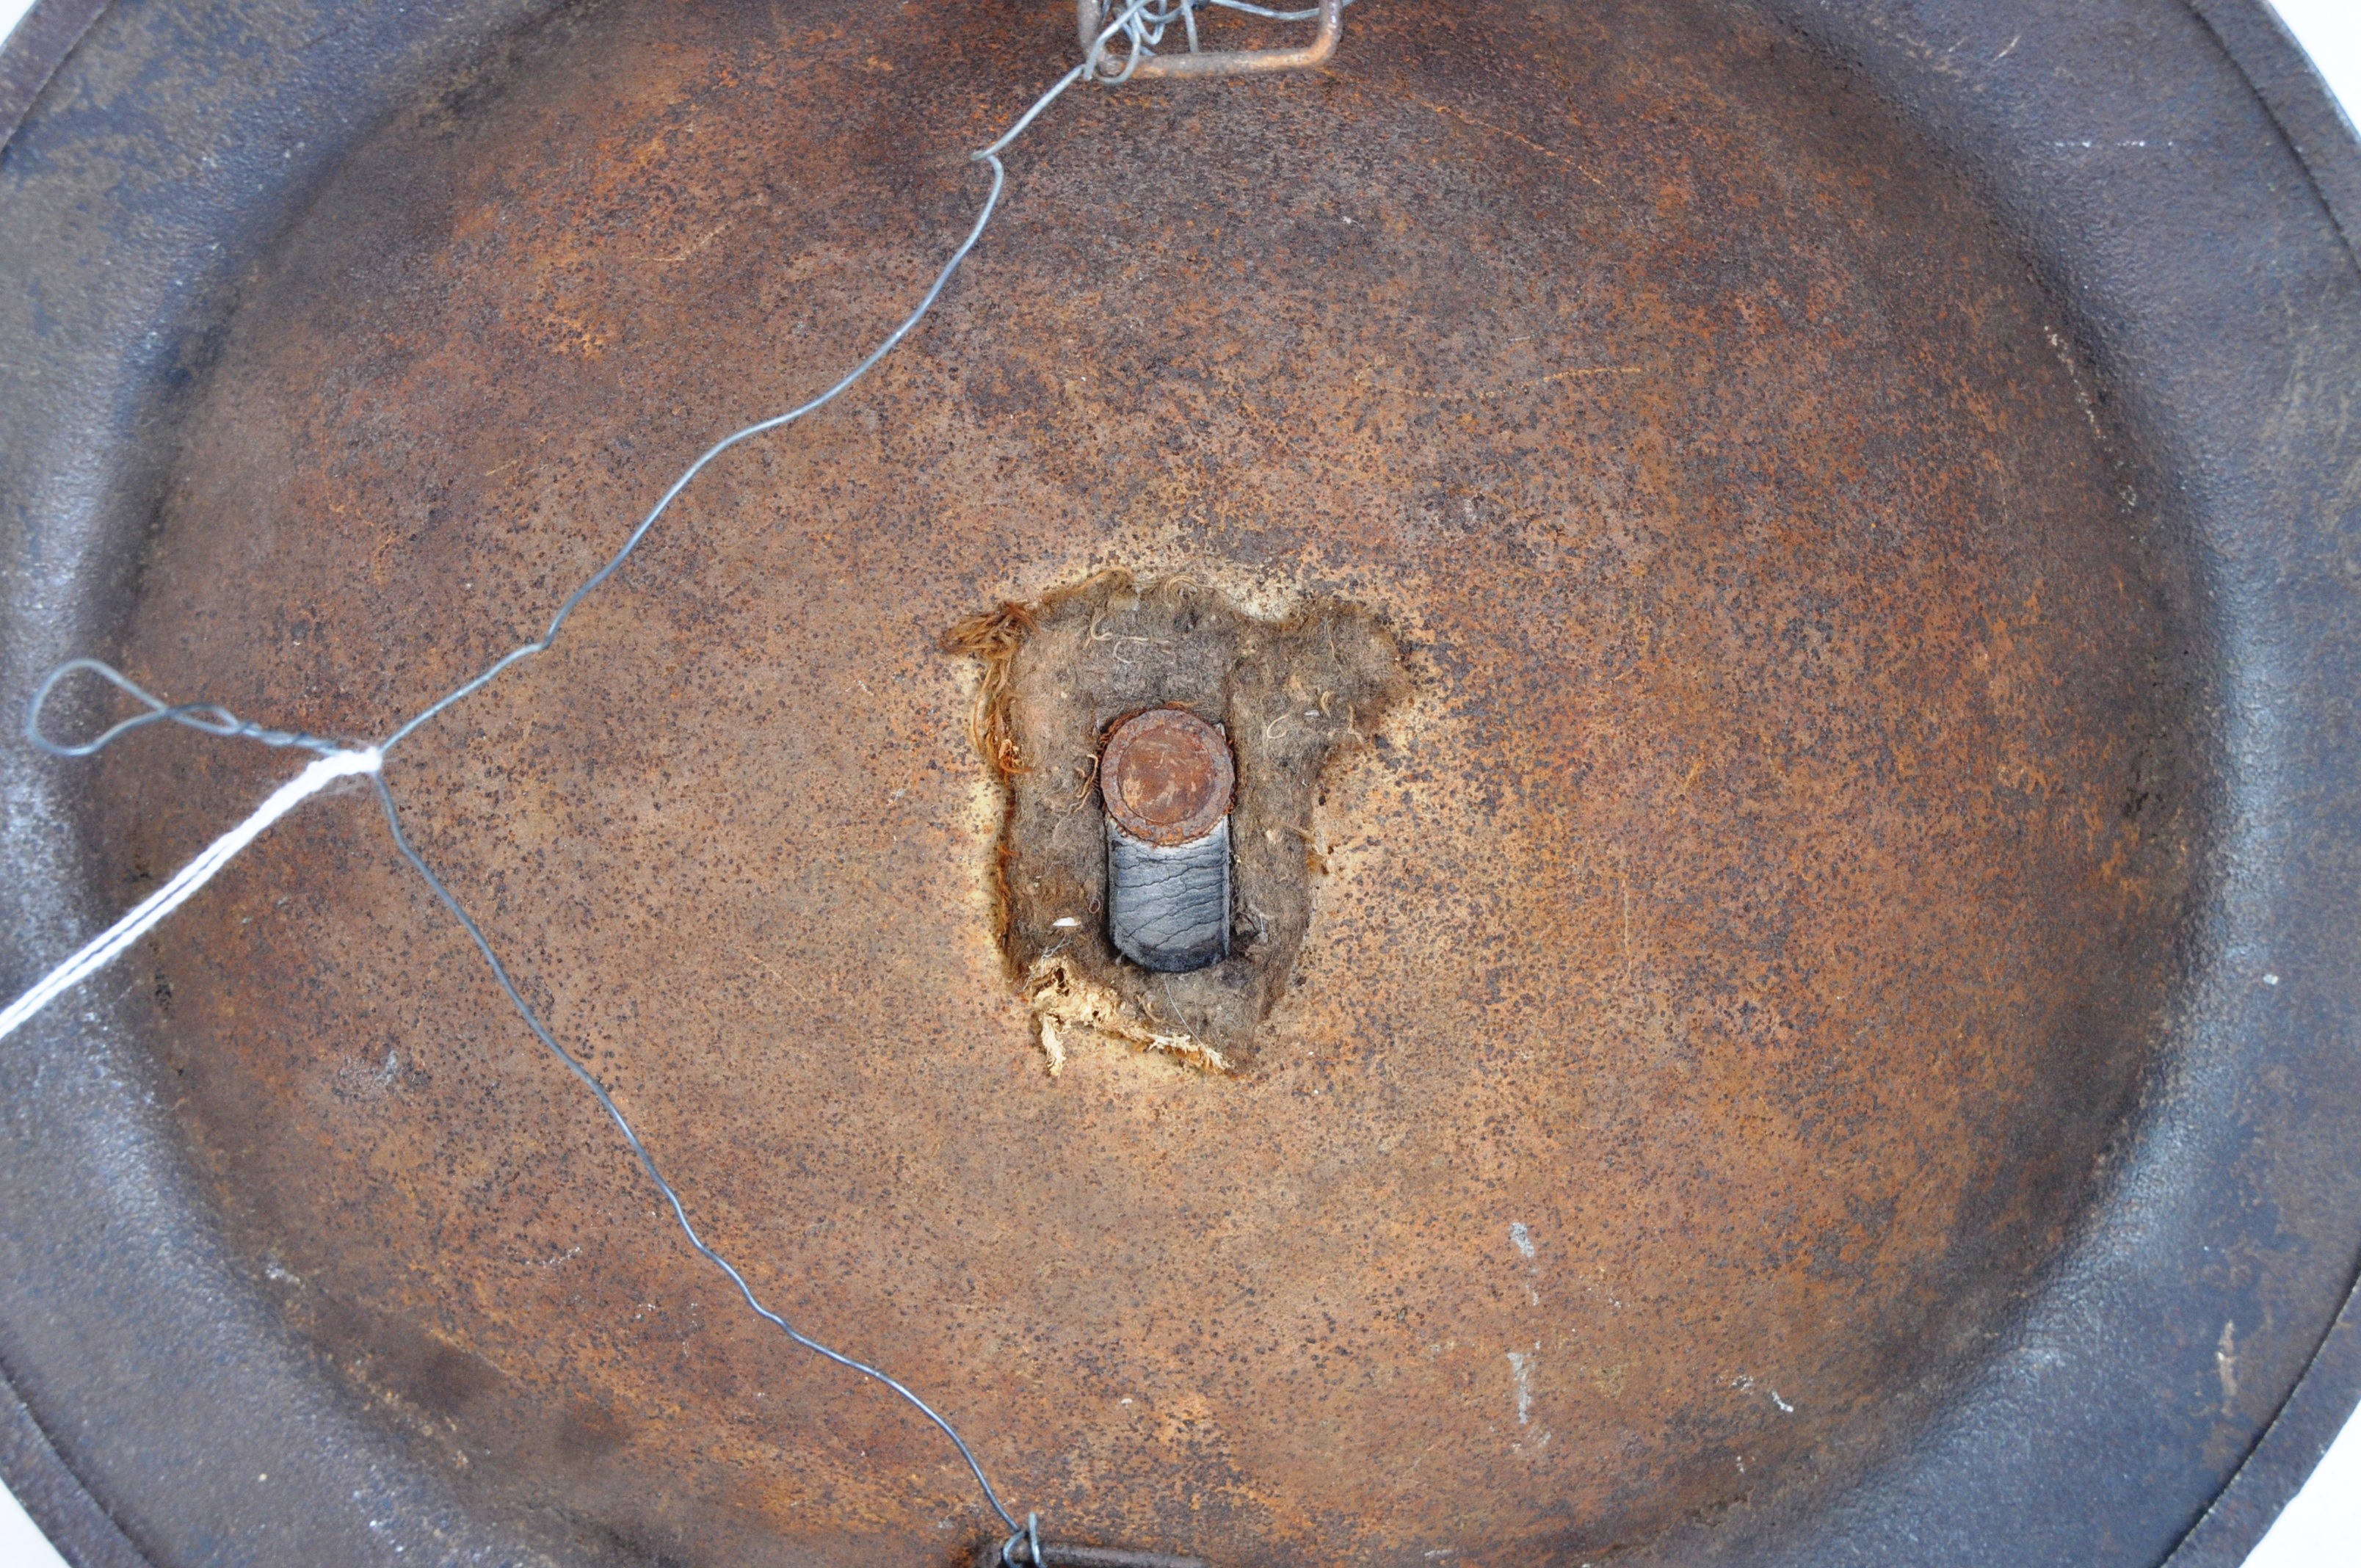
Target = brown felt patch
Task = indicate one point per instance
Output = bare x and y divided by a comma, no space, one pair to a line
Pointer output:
1296,696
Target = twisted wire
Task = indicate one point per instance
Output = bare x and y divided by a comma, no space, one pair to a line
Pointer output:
1142,26
209,718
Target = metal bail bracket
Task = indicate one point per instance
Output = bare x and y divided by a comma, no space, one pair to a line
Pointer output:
1203,65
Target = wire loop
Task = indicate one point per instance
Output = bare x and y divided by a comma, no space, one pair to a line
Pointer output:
1030,1536
1141,24
210,718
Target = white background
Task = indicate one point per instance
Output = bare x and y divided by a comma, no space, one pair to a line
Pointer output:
2321,1529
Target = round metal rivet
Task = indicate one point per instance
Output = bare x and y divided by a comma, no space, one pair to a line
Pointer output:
1166,776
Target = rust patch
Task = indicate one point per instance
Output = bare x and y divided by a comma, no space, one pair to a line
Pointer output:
1165,776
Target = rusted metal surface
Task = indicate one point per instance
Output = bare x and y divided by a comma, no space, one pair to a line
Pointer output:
1721,981
1167,777
1724,988
1205,65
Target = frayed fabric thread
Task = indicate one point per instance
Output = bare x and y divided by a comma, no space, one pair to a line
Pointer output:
337,761
151,911
1140,25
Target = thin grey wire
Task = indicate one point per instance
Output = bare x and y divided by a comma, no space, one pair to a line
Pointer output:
1031,1534
1143,25
575,1065
210,718
213,719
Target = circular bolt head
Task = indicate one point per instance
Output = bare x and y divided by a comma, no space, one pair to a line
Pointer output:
1166,776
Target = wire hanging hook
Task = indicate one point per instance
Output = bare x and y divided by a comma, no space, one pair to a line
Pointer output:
1143,27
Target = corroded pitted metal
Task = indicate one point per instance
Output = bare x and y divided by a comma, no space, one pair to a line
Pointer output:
1720,971
1167,777
2091,1413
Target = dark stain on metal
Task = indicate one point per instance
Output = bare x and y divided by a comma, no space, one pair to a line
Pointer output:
47,33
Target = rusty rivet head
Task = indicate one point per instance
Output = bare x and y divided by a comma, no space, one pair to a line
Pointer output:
1166,776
